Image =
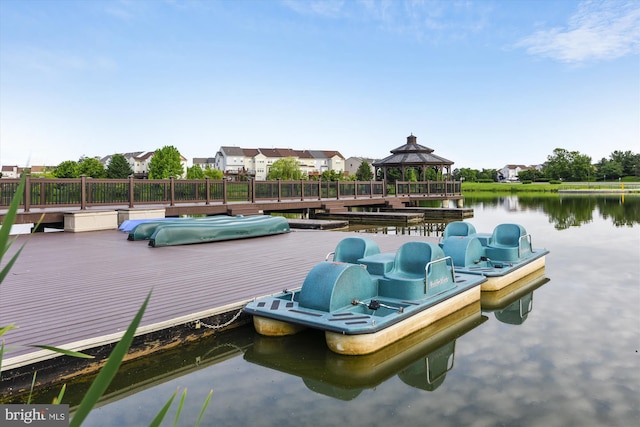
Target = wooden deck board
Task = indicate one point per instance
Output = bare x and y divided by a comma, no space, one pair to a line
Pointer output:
69,287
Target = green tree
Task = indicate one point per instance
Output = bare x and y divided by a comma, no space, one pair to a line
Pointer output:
67,169
364,172
609,168
530,175
465,174
430,174
488,174
558,164
331,175
287,168
629,162
195,172
92,167
119,167
410,175
568,166
165,163
213,173
581,167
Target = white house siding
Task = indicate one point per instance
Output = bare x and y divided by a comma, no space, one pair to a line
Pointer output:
257,161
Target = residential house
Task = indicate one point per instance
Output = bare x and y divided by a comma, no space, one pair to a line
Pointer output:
352,164
204,162
16,171
510,172
238,163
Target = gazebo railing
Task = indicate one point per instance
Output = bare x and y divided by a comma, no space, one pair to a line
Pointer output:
428,188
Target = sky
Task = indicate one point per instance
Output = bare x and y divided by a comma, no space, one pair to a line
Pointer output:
482,83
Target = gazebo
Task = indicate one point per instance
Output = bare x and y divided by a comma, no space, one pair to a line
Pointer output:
413,156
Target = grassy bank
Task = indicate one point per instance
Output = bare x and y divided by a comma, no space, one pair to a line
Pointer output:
517,187
508,187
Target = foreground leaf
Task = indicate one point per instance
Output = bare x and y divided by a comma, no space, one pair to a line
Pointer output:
9,219
33,383
204,407
109,370
57,400
180,405
163,412
63,351
5,329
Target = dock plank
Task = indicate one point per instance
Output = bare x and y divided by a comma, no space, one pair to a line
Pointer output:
70,287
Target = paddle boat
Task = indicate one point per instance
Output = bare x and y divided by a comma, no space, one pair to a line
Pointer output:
420,360
364,300
513,303
185,231
503,256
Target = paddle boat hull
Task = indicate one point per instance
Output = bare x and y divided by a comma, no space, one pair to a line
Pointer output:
503,257
498,300
512,304
420,360
362,312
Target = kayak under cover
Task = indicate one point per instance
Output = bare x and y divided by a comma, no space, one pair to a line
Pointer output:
170,234
144,229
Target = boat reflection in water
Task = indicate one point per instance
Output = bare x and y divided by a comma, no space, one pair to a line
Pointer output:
420,360
513,303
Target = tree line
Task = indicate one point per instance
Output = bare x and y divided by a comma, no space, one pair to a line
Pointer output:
561,165
565,165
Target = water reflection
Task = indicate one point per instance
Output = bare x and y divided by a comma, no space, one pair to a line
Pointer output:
563,211
513,303
421,360
572,359
569,210
148,372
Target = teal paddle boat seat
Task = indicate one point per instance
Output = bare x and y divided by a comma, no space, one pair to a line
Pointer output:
420,270
465,251
458,228
509,242
332,286
351,249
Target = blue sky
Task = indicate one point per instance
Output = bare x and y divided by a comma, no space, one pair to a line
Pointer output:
483,83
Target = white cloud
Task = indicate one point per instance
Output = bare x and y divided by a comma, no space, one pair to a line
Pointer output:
326,8
599,30
432,20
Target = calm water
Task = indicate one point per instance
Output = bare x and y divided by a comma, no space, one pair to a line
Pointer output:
565,352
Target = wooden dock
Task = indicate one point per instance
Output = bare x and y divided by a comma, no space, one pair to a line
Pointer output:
80,291
374,217
435,214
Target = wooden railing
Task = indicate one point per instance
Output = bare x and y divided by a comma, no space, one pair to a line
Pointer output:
88,192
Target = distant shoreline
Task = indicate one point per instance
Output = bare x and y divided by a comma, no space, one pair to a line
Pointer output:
599,191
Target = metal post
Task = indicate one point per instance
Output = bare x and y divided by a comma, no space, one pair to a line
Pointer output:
224,190
131,192
208,189
279,190
27,193
172,191
301,190
83,192
252,188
